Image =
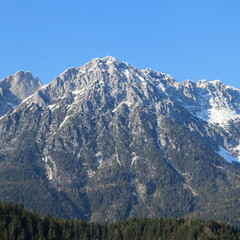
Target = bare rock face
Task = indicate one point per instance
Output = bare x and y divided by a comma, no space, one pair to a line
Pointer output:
107,141
14,89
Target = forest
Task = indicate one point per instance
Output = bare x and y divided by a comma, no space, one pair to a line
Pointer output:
18,223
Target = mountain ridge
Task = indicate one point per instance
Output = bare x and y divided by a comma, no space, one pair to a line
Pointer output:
220,115
110,141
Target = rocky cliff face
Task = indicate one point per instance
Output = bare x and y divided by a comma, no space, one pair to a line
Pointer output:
108,141
14,89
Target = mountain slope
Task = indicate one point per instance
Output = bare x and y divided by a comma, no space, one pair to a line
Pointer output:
111,141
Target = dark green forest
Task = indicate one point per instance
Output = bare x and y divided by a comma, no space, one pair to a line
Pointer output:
20,224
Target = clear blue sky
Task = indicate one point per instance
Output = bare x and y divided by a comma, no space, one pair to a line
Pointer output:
187,39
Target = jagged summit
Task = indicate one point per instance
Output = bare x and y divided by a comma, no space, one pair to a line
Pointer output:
109,59
209,101
14,89
21,77
22,73
107,129
107,78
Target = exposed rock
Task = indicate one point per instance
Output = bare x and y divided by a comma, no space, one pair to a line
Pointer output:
14,89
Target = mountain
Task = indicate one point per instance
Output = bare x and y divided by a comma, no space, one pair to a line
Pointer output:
107,141
14,89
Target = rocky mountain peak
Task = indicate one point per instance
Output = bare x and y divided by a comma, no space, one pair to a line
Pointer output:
107,141
14,89
108,76
23,84
110,60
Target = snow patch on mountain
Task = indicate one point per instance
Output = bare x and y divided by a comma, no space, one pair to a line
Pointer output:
128,103
224,153
212,102
218,115
53,106
222,115
64,121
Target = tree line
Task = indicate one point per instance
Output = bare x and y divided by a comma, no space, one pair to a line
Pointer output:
18,223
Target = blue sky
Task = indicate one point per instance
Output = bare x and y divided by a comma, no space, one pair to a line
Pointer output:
186,39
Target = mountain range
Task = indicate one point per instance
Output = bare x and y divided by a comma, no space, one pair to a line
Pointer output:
107,141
